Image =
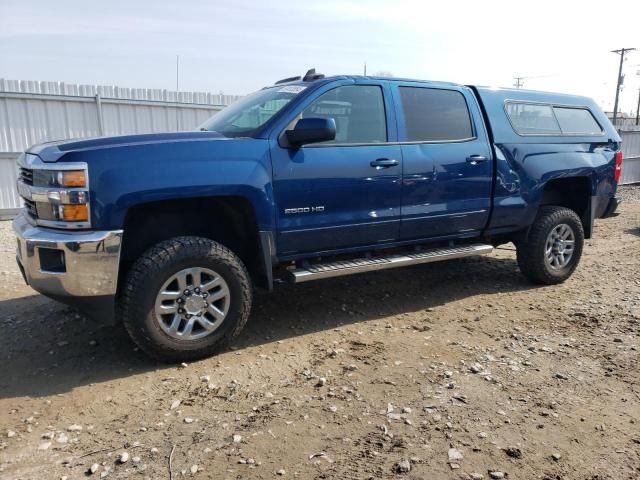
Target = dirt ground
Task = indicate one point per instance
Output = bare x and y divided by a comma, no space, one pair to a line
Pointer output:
458,370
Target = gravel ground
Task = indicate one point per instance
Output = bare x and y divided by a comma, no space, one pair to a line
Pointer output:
629,193
458,370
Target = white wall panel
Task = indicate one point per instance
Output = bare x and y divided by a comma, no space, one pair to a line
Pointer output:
33,112
9,199
631,155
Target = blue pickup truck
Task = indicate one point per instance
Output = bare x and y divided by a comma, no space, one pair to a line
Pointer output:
311,178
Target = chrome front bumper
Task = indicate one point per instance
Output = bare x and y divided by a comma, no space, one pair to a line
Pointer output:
90,261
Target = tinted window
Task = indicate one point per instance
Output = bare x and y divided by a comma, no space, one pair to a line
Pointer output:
433,115
358,111
532,119
575,121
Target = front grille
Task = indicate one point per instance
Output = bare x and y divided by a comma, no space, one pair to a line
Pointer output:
26,175
39,210
31,208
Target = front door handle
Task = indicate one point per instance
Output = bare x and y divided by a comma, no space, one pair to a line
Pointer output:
476,159
384,163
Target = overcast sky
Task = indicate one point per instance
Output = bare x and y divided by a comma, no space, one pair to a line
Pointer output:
238,46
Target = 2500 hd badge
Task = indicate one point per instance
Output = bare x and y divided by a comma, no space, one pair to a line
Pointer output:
289,211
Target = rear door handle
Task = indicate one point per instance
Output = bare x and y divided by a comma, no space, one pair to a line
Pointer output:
384,163
476,159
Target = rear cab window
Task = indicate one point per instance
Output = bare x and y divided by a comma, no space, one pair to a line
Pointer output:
551,120
435,115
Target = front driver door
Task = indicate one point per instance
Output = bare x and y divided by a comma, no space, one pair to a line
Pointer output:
346,192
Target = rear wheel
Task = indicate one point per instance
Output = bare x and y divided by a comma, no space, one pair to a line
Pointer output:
186,298
553,248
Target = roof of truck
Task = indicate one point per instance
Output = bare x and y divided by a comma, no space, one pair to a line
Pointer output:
518,92
494,100
323,79
534,95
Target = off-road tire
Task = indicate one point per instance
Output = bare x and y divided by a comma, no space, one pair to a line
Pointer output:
145,278
531,250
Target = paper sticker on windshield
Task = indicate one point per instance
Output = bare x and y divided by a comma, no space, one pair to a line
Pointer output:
292,89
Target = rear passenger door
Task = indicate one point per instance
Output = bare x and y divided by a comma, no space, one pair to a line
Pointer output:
446,189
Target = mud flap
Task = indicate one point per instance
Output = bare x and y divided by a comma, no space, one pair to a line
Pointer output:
589,216
612,206
267,255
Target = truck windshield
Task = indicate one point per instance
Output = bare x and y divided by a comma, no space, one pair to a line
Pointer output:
244,117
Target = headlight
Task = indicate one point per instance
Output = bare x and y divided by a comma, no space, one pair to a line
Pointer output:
59,178
55,195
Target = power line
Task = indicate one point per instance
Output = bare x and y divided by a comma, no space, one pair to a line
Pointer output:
519,81
622,52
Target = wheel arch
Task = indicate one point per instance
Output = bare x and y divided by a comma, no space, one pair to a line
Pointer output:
230,220
575,193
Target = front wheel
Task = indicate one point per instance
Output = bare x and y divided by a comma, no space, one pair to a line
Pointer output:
185,298
553,248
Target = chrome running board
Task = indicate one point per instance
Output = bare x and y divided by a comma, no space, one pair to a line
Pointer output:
359,265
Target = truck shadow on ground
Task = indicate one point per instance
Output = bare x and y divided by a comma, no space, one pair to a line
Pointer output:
633,231
47,348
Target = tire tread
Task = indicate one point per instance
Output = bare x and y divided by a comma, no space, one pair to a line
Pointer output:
156,258
531,264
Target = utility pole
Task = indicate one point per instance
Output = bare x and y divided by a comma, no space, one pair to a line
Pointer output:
365,69
519,82
177,73
177,90
622,52
638,109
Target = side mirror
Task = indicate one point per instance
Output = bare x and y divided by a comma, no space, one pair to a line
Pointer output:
312,130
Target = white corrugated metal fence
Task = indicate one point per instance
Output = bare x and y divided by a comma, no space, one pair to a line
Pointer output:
32,112
631,155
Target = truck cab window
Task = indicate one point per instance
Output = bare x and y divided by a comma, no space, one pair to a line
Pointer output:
435,115
244,117
358,111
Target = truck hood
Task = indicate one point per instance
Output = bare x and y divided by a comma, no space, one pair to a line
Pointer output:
52,151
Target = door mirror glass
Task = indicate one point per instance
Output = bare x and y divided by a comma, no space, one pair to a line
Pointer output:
312,130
